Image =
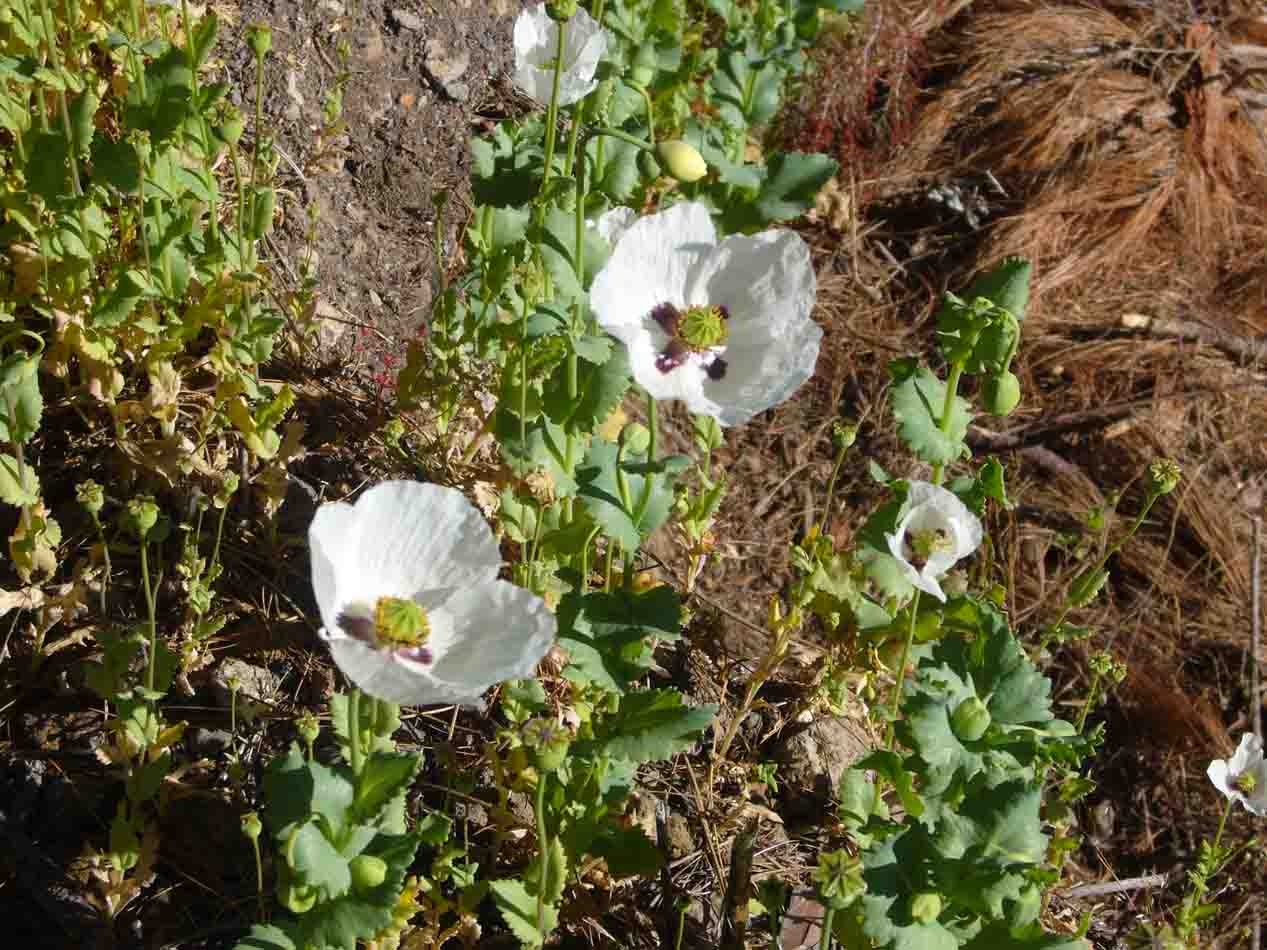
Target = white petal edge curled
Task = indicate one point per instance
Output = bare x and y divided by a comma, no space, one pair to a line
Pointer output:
765,281
426,543
930,507
536,39
1248,759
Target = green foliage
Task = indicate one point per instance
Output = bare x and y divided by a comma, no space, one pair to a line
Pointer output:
932,425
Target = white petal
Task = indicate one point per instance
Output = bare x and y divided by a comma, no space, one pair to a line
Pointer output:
499,632
651,264
536,39
612,225
386,676
398,539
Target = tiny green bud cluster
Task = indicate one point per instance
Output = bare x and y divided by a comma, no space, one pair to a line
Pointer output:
91,496
839,879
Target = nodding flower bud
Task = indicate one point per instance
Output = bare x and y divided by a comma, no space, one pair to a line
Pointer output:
1163,476
843,435
560,11
1001,394
925,907
683,160
368,871
251,826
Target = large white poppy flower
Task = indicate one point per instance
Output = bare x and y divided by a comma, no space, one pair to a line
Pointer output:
723,326
936,531
412,608
536,45
1243,778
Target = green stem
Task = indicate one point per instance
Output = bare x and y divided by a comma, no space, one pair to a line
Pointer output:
896,704
1091,701
649,479
831,487
824,942
213,225
105,556
952,390
541,848
624,137
354,730
552,111
150,608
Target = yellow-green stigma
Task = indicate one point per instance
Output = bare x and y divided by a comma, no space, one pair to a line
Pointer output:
1247,782
702,328
400,623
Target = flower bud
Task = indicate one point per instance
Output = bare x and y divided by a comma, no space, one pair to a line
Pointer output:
368,872
228,486
925,907
1086,587
683,160
843,435
251,826
308,728
549,743
970,720
1001,394
92,496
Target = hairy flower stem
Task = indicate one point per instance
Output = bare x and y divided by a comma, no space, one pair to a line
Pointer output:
896,704
213,227
1189,916
105,557
943,424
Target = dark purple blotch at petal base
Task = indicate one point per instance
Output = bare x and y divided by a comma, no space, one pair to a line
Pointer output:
668,317
716,369
416,654
672,356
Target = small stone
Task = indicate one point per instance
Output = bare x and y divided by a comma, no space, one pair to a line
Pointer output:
209,743
406,20
444,65
458,91
375,299
812,760
333,7
254,682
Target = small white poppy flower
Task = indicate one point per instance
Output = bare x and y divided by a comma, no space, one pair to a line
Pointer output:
1243,778
723,326
537,44
936,531
412,608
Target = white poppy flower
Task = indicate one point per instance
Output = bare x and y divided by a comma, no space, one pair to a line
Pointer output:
412,608
936,531
536,45
612,225
724,326
1243,778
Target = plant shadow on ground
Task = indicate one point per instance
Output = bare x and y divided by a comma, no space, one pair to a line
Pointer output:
902,107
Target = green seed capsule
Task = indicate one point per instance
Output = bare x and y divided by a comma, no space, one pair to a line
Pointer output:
970,719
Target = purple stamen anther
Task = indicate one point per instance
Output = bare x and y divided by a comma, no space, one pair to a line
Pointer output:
716,369
672,356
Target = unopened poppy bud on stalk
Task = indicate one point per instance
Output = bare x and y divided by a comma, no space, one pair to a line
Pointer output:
561,10
683,160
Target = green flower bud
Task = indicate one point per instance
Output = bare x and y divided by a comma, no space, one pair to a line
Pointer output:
142,515
92,496
229,131
1001,394
970,719
560,11
1163,476
683,160
843,435
260,38
925,907
368,872
1086,587
251,826
228,486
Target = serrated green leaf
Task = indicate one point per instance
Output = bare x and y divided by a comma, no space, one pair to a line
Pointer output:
316,861
266,937
15,490
1006,285
652,725
792,181
386,776
599,389
296,788
599,489
919,400
608,636
21,406
890,766
519,909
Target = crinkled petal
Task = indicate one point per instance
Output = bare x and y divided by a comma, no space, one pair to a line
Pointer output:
1248,760
536,39
387,676
767,283
398,539
499,632
650,265
612,225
